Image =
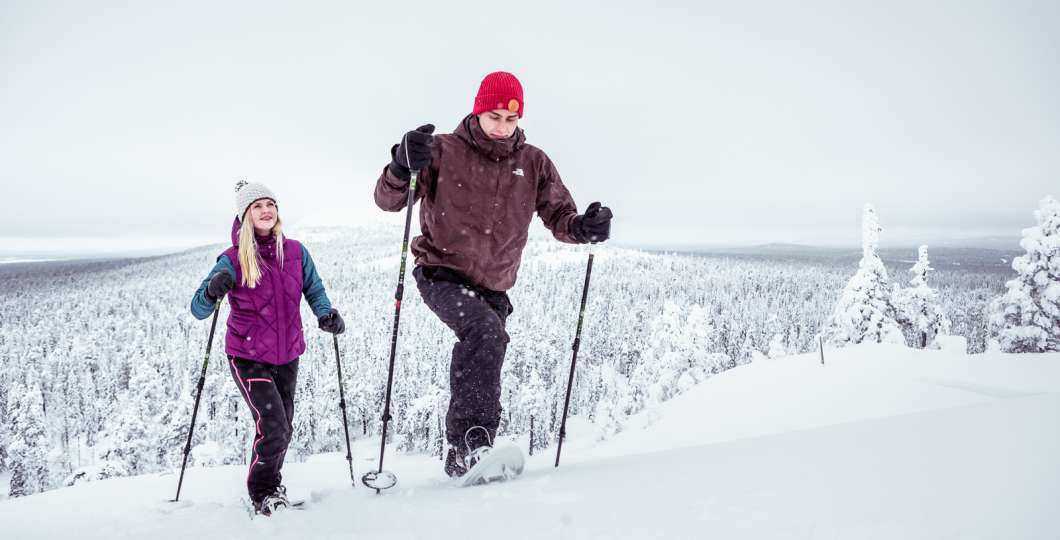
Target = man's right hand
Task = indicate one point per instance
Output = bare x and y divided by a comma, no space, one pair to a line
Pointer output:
219,286
414,152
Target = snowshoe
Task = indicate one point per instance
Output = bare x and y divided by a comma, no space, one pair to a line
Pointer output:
497,463
274,502
479,461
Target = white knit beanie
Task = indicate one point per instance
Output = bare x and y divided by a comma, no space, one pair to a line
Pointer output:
247,193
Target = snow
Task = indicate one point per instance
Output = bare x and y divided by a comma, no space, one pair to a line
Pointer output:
863,382
208,452
957,344
93,473
879,442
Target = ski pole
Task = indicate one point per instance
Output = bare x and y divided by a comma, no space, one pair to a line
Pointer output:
198,396
342,405
378,480
574,356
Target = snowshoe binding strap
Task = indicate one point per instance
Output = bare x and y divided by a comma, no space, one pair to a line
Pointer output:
477,446
270,505
467,441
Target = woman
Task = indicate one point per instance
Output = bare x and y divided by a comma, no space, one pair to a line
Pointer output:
265,276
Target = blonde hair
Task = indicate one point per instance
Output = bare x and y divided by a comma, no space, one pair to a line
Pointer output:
249,260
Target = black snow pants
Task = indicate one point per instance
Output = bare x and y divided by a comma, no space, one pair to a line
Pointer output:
269,392
477,317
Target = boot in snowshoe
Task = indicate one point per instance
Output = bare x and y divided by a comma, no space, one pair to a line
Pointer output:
277,500
460,459
454,463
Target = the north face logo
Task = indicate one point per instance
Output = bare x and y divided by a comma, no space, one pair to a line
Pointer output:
518,172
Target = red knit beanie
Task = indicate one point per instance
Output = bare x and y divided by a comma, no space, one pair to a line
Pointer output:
499,90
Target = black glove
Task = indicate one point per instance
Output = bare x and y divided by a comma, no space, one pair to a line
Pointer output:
594,225
219,286
414,152
332,322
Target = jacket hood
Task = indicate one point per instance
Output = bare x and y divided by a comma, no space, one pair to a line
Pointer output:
471,133
235,232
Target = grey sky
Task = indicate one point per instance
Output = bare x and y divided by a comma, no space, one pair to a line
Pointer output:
698,122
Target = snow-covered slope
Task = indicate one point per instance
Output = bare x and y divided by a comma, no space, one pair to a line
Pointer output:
857,383
881,442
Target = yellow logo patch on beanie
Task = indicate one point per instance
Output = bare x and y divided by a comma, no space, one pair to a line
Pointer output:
513,105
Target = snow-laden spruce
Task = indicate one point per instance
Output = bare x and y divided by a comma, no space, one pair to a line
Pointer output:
865,311
1027,317
27,441
919,312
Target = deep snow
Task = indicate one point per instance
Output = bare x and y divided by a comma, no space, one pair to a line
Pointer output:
880,442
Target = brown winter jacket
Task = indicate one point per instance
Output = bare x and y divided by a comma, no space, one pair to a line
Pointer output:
478,197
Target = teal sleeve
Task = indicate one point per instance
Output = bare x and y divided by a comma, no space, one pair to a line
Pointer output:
201,306
313,287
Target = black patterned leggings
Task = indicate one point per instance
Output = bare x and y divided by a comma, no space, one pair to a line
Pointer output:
269,392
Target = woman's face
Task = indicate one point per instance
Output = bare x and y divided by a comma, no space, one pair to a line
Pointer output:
263,216
499,123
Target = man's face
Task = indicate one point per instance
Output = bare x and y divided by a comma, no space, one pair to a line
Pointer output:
498,123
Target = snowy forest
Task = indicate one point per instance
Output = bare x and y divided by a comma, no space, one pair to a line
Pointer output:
99,359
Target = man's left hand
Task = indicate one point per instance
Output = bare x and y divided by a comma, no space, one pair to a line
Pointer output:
594,225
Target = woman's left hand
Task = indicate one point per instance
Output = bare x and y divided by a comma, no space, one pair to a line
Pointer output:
332,322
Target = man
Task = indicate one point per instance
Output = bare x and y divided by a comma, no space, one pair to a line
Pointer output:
480,187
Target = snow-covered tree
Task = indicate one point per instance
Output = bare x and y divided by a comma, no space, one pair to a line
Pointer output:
173,427
701,331
128,442
419,420
537,401
224,425
5,427
674,344
777,348
865,311
614,405
1027,317
27,440
919,312
749,351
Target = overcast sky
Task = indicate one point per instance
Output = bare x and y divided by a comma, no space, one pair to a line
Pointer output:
697,122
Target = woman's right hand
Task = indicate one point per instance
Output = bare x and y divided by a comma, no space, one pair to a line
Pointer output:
332,322
219,286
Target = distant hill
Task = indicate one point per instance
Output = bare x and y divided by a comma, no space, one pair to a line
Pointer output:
952,258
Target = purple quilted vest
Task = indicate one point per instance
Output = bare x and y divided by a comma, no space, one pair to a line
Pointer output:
264,323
